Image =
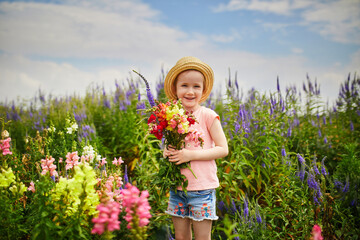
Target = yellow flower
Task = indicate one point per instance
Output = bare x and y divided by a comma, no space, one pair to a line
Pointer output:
6,177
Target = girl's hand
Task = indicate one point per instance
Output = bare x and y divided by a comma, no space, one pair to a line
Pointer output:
179,156
167,152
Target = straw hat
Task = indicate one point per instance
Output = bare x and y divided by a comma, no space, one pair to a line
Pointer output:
189,63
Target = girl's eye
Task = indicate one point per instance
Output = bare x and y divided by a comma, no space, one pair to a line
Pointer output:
184,85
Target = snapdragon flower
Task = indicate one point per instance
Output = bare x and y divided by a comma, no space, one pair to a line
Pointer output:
72,160
5,146
136,206
19,188
48,166
89,152
31,187
78,190
108,219
118,161
316,233
5,134
7,177
72,126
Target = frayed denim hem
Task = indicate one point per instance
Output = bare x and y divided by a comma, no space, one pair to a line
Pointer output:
192,218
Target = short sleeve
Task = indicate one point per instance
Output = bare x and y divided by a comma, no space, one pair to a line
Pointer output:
211,115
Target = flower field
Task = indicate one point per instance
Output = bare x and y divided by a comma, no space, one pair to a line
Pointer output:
85,167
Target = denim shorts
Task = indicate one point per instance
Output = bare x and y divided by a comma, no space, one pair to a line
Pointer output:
196,205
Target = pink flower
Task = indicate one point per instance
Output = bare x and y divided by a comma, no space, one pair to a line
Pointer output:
316,232
5,146
136,205
31,187
84,159
118,161
103,162
119,182
48,166
195,137
60,160
181,129
172,123
72,159
107,219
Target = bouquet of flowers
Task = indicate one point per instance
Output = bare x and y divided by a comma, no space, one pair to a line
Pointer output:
171,121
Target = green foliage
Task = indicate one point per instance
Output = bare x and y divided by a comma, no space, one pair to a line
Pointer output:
266,132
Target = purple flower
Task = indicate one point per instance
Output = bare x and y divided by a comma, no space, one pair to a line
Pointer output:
302,172
221,206
126,178
257,215
316,170
316,201
106,103
233,207
301,159
140,106
351,126
246,208
325,140
323,170
148,91
289,132
346,187
337,184
236,82
311,181
122,107
277,84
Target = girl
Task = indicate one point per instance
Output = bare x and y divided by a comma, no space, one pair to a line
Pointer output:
191,80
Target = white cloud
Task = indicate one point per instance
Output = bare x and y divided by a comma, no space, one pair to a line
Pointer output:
282,7
74,31
338,20
129,32
297,50
222,38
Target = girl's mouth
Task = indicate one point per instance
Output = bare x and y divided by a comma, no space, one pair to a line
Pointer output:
189,98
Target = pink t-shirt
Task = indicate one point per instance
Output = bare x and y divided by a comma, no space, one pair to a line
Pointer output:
205,171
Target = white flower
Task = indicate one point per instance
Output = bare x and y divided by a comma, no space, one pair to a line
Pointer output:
72,128
89,152
69,130
51,129
5,134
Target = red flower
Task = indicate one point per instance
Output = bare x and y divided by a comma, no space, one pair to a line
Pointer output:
152,119
157,131
191,121
164,123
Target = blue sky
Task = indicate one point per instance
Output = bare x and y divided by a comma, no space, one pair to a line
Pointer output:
64,46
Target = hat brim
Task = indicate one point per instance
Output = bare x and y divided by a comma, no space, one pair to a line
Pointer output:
184,64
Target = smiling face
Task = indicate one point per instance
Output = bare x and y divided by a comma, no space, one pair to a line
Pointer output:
189,88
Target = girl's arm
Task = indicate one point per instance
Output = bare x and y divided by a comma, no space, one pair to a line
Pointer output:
219,151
